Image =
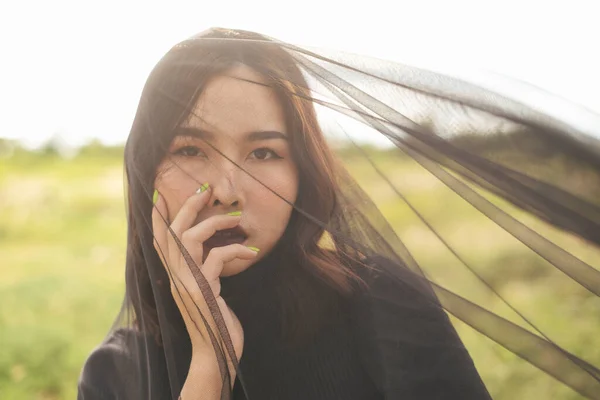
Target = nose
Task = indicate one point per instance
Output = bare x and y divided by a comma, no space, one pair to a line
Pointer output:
225,193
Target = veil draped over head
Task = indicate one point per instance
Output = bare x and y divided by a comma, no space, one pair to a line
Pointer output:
482,198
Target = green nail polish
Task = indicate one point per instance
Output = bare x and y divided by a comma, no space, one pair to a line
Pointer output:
155,196
256,249
202,188
235,213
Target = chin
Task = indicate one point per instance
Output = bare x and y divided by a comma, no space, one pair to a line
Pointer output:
237,266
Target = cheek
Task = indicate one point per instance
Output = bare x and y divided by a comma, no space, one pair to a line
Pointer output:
272,212
280,182
176,185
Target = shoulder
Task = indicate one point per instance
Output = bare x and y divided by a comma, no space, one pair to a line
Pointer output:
405,338
394,313
397,301
108,366
381,277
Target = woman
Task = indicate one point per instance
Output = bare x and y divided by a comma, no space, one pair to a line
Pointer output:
248,242
227,139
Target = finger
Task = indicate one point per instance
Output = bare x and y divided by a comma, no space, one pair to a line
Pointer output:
234,327
188,213
193,238
192,306
185,217
204,230
218,256
209,270
160,225
161,233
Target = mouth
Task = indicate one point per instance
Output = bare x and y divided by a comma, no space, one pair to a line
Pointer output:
226,237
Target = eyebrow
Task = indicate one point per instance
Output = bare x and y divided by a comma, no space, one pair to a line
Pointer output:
251,137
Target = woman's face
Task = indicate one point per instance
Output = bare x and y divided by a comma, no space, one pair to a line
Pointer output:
245,122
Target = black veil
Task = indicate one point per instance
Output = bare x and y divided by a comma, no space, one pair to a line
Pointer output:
508,173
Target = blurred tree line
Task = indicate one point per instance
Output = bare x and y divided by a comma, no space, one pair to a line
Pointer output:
538,154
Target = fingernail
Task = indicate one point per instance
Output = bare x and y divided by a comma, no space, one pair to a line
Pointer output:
235,213
202,188
256,249
155,196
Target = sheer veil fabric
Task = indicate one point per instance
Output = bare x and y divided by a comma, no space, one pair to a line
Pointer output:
505,173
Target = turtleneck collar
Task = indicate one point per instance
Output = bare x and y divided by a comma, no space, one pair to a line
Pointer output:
253,287
256,274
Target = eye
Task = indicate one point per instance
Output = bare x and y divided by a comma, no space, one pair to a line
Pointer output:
264,154
189,151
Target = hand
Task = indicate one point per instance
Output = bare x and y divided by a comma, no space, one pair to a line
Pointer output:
184,287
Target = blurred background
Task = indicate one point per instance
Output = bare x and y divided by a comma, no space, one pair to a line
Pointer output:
71,76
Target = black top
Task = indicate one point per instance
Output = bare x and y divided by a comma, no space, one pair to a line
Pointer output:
377,348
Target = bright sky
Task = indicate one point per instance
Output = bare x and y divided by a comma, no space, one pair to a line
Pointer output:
77,67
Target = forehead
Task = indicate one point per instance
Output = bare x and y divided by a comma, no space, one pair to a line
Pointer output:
240,100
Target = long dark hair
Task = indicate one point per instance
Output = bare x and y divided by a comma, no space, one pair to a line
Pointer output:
170,92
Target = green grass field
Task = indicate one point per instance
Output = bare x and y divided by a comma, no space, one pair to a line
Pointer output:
62,246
